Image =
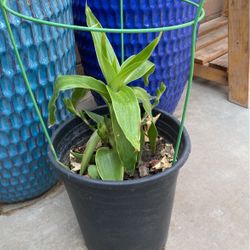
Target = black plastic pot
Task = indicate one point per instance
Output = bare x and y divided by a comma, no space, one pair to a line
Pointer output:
129,215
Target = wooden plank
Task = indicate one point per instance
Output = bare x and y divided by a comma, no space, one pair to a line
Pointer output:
212,16
212,25
213,8
239,52
220,63
212,51
225,8
212,37
211,74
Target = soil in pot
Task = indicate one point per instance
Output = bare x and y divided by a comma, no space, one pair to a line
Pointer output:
150,163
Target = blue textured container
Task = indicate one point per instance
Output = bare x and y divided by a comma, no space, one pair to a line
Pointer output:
46,53
172,56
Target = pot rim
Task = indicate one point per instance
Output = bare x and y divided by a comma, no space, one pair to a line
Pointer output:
105,184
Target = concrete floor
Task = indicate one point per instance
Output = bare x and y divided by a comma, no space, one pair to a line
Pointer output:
212,199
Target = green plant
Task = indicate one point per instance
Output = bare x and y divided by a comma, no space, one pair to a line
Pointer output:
122,132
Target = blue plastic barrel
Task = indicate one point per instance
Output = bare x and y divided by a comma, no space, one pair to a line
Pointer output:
46,53
172,56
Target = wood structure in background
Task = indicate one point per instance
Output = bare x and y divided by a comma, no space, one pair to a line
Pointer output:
239,52
213,9
223,50
211,58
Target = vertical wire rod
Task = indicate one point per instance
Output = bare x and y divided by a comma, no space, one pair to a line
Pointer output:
190,80
122,27
12,39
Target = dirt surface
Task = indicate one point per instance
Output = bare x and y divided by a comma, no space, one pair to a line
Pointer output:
150,163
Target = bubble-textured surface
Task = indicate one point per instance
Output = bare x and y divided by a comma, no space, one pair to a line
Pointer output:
172,56
46,53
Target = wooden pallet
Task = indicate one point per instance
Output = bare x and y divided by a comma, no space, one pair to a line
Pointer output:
223,50
211,58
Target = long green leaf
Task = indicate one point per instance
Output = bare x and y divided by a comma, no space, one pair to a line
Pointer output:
105,53
152,135
95,117
89,151
71,82
102,128
137,66
143,96
159,93
109,53
110,131
124,148
109,165
148,73
133,72
127,61
77,96
78,156
145,53
153,132
71,103
127,112
70,107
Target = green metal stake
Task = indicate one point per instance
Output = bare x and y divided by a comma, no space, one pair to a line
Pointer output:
190,80
122,27
26,80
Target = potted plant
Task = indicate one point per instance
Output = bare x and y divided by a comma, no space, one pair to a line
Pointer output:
116,161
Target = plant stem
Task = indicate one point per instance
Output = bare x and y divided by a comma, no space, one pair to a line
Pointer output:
89,150
83,117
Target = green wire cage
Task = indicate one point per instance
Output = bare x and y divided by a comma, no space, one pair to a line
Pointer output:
6,10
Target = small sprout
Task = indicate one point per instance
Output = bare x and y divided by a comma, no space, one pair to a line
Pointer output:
93,172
